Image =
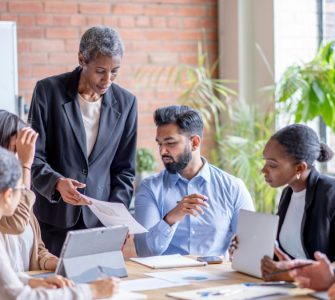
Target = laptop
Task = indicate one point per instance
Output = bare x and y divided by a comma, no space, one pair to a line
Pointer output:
256,234
89,254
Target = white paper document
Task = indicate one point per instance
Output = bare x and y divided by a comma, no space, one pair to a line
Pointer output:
186,276
111,214
168,261
144,284
125,295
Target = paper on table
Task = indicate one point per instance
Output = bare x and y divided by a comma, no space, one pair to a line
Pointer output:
232,292
111,214
145,284
168,261
186,276
125,295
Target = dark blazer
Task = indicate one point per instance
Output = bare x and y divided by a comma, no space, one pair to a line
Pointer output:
318,223
61,149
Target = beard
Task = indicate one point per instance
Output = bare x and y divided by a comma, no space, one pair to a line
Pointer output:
180,163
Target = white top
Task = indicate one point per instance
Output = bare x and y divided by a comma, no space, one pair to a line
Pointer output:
290,234
90,111
13,286
19,248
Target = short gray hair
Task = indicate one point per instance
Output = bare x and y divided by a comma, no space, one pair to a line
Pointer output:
10,170
100,40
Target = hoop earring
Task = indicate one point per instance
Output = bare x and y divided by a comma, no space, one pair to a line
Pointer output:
298,176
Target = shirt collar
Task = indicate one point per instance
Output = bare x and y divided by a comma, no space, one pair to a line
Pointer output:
203,173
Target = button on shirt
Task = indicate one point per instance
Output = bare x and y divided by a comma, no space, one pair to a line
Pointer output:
208,234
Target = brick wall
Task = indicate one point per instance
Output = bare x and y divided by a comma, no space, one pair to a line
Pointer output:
158,33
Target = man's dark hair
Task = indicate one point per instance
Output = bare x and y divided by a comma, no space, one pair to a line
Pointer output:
10,170
187,119
302,144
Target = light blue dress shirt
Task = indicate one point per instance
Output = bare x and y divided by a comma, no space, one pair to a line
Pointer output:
208,234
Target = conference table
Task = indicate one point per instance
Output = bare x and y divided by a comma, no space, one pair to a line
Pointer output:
136,271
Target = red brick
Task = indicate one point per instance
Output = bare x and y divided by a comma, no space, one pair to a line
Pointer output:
161,34
30,32
142,21
27,83
191,23
60,32
191,11
127,21
33,58
44,45
72,45
62,20
174,22
23,45
44,19
26,20
160,58
93,21
3,6
25,6
127,9
43,71
160,10
111,21
65,7
95,8
9,17
57,58
158,22
78,20
24,70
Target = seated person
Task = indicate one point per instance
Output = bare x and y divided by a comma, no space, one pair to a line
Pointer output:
307,207
20,233
16,286
191,207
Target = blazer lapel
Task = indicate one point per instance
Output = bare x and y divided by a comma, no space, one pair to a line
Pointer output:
109,117
73,114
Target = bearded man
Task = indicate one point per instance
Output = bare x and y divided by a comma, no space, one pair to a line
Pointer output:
191,207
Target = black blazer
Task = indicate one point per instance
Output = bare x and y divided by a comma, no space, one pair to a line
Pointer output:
318,222
61,149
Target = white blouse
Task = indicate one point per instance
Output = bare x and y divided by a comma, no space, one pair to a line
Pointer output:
14,286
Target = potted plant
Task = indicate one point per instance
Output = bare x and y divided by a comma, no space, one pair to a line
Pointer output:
307,90
145,163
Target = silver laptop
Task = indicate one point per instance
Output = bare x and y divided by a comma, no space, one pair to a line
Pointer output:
92,253
256,233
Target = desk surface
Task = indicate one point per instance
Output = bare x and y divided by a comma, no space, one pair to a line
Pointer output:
136,271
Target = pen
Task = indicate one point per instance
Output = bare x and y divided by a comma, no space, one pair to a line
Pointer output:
288,269
271,283
102,272
206,199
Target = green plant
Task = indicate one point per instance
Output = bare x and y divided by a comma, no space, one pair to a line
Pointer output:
308,90
145,161
240,147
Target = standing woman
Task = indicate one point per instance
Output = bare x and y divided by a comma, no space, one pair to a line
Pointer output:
307,204
87,128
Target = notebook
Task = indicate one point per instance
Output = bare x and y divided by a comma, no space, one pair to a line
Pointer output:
256,233
168,261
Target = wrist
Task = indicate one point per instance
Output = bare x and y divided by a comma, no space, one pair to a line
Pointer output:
26,167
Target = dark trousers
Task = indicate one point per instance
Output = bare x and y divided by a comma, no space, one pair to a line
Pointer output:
53,237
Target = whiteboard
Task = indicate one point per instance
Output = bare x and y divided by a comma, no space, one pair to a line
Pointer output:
8,63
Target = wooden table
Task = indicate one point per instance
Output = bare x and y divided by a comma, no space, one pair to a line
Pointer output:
136,271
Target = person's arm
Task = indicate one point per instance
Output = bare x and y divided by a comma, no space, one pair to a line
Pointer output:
46,260
44,177
160,234
123,166
17,223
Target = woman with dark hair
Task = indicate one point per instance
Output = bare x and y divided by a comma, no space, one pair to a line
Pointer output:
307,207
21,233
18,286
87,127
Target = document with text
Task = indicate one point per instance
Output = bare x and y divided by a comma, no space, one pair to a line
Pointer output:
111,214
